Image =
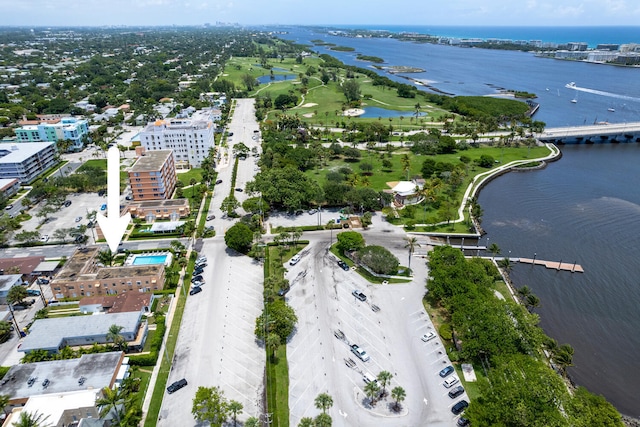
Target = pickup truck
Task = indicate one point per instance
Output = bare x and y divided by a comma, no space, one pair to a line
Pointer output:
362,355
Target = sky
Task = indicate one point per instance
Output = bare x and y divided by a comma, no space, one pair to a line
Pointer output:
324,12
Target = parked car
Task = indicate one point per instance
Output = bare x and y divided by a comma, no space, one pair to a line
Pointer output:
195,290
313,211
197,283
201,265
128,198
463,422
43,281
295,259
8,207
446,371
197,271
456,391
197,278
230,133
219,182
369,378
428,336
239,190
33,292
283,291
78,218
67,203
210,217
459,407
176,386
44,238
450,382
103,207
358,294
343,265
362,355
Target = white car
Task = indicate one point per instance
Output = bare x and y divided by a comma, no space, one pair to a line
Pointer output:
450,382
295,259
44,238
428,336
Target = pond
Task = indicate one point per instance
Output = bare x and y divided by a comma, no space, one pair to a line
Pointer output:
276,78
375,112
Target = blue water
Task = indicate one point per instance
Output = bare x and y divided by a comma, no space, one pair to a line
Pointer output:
276,77
375,112
149,259
463,71
591,35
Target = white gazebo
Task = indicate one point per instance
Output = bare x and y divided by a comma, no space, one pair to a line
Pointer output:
407,193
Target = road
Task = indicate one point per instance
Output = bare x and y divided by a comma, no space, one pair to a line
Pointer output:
217,344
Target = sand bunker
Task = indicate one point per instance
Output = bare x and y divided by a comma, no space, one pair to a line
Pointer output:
309,104
353,112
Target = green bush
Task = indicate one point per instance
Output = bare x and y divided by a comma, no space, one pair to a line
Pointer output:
144,359
445,332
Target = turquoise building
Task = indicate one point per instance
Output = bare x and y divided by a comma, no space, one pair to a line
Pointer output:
68,128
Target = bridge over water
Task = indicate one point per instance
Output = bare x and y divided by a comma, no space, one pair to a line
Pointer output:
592,134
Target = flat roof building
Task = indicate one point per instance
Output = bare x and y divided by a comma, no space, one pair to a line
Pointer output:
56,333
189,138
153,176
160,209
27,161
66,128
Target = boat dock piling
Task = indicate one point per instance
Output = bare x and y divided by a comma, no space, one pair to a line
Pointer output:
565,266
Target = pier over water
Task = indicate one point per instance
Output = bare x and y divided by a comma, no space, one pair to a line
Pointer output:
592,134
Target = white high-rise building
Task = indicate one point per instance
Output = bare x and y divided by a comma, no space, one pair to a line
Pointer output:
189,138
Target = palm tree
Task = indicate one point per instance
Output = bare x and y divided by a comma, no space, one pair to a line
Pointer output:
564,357
273,340
29,419
177,246
193,182
114,336
323,420
532,301
106,257
330,225
398,394
110,401
324,401
235,408
406,164
252,422
524,292
505,264
371,390
384,377
412,243
494,250
4,401
304,422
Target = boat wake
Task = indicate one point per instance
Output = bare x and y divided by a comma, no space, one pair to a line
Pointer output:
601,92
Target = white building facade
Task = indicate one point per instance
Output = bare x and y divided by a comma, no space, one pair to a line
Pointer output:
189,138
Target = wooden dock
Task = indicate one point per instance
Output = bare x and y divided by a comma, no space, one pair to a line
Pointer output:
565,266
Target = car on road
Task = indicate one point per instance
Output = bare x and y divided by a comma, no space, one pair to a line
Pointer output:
197,278
362,355
103,207
43,281
343,265
201,265
197,283
78,218
456,391
176,386
195,290
210,217
33,292
219,182
358,294
459,407
67,203
197,271
450,382
128,198
428,336
295,259
44,238
8,207
313,211
446,371
230,133
239,190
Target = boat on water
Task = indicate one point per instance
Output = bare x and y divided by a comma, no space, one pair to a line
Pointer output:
574,101
611,109
570,85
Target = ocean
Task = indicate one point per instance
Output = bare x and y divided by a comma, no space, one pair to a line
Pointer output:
584,208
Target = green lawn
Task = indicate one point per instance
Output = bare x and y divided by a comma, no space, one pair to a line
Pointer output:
185,177
278,387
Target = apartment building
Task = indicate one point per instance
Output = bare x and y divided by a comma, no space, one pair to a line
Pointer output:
83,275
153,176
26,162
68,128
189,138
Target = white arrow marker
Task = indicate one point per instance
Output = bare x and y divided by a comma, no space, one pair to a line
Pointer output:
113,226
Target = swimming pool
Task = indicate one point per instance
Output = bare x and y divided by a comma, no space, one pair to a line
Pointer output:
150,259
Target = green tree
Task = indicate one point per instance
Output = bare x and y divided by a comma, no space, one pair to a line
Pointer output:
412,244
398,394
110,402
5,334
323,420
323,401
350,241
16,295
279,318
106,257
210,405
235,408
379,259
587,409
273,341
177,247
351,90
4,402
239,237
27,236
494,250
32,419
252,422
371,390
116,338
384,378
306,422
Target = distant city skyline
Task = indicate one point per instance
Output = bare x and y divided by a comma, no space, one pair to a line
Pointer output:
328,12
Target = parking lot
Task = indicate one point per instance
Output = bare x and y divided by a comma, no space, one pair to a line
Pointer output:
318,360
